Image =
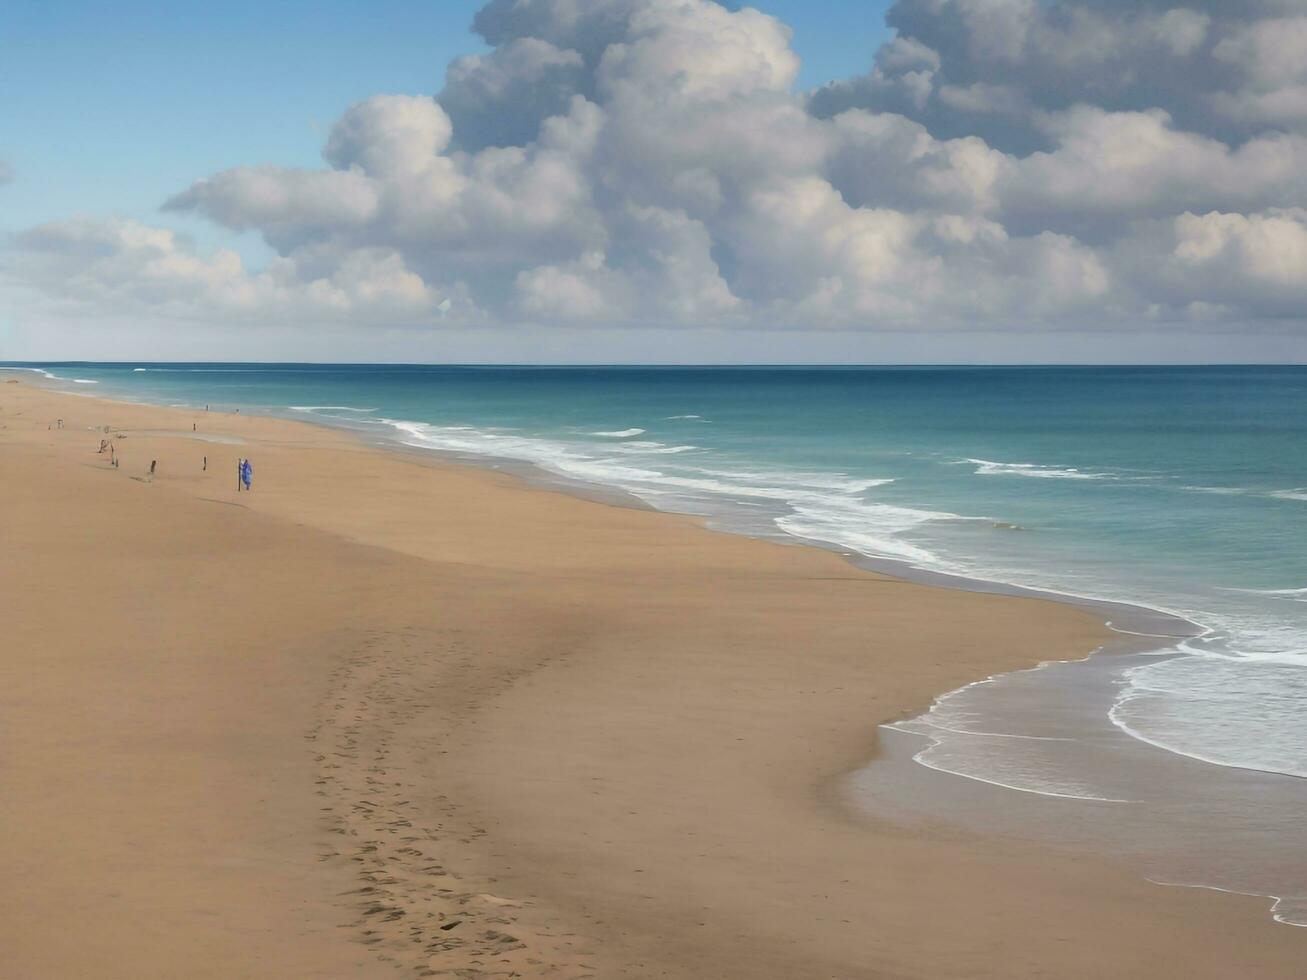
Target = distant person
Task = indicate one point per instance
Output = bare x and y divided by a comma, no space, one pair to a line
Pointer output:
205,467
240,472
153,464
192,426
247,473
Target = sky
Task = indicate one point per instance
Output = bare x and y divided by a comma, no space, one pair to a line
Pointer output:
655,180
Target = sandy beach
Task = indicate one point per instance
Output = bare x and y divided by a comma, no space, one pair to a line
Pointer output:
390,716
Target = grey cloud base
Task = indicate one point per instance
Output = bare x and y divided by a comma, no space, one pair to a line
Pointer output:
649,163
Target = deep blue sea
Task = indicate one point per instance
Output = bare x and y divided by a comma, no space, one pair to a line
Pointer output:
1181,489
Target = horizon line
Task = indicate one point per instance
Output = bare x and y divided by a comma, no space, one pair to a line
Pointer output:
686,365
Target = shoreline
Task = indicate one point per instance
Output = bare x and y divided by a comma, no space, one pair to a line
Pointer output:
536,475
1117,616
1150,622
567,697
1147,638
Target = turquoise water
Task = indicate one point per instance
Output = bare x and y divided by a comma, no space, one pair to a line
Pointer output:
1179,489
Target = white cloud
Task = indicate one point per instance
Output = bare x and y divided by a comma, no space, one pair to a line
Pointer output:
286,205
992,58
887,159
648,163
1270,53
1270,57
124,265
1137,164
393,186
699,50
584,289
501,98
1209,264
389,136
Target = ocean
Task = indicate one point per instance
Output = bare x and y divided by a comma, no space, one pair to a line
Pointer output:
1180,492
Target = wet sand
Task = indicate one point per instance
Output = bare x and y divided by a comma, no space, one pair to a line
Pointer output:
391,716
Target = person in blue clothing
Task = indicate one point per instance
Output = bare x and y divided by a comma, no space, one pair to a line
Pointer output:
247,473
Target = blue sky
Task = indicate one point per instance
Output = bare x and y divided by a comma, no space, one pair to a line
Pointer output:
152,96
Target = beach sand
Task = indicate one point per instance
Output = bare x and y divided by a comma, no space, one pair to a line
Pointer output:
388,716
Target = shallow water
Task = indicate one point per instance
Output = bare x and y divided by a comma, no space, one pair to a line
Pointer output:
1084,784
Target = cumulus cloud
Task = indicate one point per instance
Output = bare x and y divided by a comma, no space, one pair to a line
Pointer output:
984,67
1217,264
651,163
500,99
124,265
1261,250
1110,168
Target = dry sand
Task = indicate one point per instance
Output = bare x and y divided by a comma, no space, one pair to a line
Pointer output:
384,716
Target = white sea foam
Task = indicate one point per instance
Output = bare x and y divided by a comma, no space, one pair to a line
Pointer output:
961,745
226,370
1004,771
986,467
825,507
620,433
807,479
1244,636
51,376
1299,493
1289,911
550,455
654,448
1294,595
1239,712
328,408
872,529
1238,708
